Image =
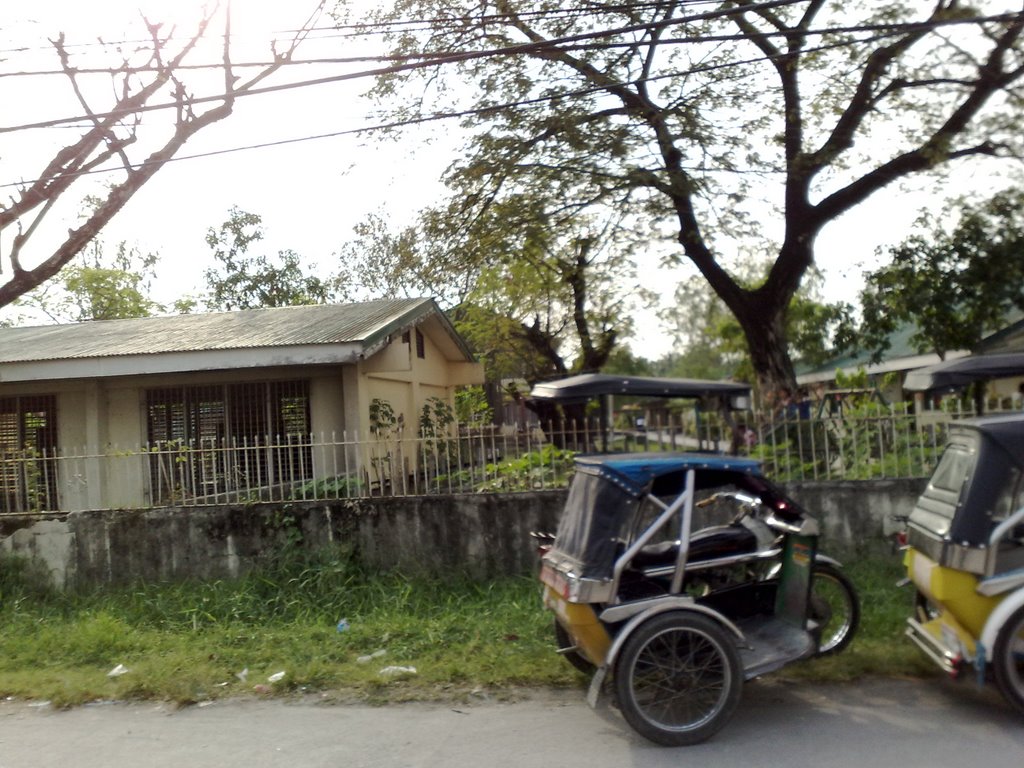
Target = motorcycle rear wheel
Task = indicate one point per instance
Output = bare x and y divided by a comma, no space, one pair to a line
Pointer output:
834,603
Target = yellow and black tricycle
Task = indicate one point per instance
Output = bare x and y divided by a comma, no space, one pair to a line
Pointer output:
965,555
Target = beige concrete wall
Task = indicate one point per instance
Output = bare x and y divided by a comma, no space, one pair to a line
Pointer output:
126,481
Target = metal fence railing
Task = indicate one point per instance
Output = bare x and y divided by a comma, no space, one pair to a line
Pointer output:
855,443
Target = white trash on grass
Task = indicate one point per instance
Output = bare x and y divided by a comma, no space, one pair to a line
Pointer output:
397,671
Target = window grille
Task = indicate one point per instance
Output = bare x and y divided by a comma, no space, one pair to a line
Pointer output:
28,453
224,440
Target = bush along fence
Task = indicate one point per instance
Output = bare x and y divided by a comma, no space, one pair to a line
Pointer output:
865,441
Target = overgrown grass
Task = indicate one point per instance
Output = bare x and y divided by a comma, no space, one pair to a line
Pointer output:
194,642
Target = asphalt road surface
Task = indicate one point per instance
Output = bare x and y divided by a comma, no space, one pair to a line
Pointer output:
871,724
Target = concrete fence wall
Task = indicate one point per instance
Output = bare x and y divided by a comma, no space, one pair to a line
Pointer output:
483,534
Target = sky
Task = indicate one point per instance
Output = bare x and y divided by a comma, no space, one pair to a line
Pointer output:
310,193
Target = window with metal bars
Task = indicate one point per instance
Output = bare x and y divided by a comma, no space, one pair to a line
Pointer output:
28,453
219,440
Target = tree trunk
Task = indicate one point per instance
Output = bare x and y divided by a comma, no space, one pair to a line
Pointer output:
764,327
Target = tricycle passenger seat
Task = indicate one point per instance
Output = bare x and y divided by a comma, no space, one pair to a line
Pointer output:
706,544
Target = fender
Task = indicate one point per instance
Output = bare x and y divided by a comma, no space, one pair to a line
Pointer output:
997,619
664,606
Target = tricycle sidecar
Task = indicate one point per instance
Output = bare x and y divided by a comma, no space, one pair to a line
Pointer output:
965,555
682,575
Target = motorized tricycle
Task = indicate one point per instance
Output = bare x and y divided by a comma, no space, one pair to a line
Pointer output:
676,577
965,555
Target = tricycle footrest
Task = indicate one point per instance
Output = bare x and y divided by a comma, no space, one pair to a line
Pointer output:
771,644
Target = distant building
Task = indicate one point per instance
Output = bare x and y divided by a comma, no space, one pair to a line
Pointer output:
901,357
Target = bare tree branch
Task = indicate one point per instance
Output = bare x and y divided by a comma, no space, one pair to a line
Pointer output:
102,141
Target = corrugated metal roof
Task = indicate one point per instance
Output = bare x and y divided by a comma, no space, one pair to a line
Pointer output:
364,322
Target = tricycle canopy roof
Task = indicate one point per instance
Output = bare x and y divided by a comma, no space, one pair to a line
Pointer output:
1005,430
965,370
633,472
584,386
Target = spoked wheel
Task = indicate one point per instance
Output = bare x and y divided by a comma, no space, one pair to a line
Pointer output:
1008,659
564,640
835,607
678,678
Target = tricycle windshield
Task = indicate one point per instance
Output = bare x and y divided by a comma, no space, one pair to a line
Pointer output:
975,484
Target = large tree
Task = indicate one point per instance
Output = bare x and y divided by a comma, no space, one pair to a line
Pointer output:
952,286
724,123
142,77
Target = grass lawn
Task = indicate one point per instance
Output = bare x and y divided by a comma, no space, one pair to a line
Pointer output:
194,642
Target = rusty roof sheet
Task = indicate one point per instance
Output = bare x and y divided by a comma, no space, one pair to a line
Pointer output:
364,322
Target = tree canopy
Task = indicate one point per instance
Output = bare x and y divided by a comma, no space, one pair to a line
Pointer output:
241,280
953,286
743,122
537,291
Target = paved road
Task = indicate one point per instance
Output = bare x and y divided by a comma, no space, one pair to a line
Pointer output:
933,723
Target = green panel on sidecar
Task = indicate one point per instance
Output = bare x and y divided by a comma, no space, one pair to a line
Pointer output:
795,580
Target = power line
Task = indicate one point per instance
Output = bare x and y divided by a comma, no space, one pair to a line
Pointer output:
883,31
421,61
478,111
389,26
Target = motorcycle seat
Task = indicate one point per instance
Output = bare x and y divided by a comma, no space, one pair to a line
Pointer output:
706,544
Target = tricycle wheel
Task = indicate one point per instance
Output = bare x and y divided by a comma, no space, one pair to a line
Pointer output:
835,606
678,678
564,640
1008,659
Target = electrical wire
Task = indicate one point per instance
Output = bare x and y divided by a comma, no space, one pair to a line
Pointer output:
568,43
883,32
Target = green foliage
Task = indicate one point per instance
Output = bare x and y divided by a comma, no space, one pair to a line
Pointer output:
95,286
436,416
336,487
622,360
242,281
951,287
756,145
535,291
472,408
857,438
23,579
189,642
383,418
548,467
